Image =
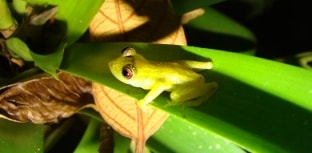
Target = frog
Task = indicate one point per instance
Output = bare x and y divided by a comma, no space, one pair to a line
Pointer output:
180,78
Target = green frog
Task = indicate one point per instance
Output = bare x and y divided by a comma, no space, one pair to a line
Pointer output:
186,87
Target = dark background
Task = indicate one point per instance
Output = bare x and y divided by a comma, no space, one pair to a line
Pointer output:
282,27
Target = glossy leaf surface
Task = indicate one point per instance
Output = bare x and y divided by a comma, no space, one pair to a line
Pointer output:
250,108
28,137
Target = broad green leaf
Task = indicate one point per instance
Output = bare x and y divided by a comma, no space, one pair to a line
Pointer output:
27,138
180,136
261,105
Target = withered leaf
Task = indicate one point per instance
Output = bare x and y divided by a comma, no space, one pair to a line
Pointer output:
42,18
137,21
126,117
45,99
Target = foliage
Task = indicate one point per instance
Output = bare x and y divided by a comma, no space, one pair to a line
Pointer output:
261,105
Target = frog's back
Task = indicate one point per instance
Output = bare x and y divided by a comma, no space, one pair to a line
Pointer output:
169,72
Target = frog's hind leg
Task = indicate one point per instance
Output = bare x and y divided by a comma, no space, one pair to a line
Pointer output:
196,65
192,97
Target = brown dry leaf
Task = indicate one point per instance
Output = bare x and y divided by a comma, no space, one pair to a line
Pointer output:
137,21
45,99
125,116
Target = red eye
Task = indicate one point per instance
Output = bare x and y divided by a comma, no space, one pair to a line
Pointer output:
128,71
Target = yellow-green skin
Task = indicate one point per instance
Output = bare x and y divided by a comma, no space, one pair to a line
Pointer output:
177,77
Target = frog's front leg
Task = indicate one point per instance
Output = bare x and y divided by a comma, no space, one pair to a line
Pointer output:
199,65
152,94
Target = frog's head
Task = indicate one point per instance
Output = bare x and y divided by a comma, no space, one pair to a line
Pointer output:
124,67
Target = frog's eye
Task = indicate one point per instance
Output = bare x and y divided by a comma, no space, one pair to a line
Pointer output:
128,51
128,71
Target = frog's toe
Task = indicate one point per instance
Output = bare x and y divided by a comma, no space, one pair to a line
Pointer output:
141,104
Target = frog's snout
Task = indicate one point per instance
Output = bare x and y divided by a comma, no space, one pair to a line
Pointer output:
113,67
110,65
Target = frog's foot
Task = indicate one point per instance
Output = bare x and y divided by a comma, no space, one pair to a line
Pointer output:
143,105
196,65
190,103
196,102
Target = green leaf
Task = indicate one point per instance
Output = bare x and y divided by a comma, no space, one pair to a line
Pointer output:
121,144
20,137
181,136
217,22
18,48
261,105
6,20
19,6
188,5
219,32
49,63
